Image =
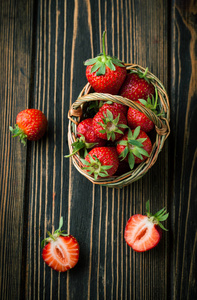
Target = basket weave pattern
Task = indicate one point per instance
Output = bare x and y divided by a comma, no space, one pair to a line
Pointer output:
161,122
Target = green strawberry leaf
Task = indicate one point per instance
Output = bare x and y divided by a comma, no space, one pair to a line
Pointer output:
90,61
96,66
131,160
110,65
136,132
101,70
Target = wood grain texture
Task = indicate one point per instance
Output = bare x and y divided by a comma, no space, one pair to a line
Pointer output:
43,46
15,64
69,32
184,150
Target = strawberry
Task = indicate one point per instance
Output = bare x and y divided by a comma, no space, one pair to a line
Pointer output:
136,118
31,124
61,252
135,146
137,86
105,73
85,128
109,123
142,232
87,138
101,161
121,107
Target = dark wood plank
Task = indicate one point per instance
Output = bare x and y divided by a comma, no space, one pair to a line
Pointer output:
183,145
67,33
15,65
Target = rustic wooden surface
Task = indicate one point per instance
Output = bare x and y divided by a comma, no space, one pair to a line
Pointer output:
43,45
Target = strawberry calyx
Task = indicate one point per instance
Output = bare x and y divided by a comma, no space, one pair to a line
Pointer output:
53,237
141,74
157,218
95,167
102,60
111,125
151,103
17,131
80,144
133,147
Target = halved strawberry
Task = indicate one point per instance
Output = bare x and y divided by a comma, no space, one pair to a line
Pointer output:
61,252
142,232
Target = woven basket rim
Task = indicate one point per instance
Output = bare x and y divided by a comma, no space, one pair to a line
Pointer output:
162,128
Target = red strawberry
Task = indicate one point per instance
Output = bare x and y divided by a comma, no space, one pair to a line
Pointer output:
61,252
135,146
101,161
142,232
136,118
109,123
105,73
121,107
85,128
87,138
137,86
31,124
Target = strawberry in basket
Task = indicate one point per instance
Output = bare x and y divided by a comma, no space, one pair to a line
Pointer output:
106,74
137,86
136,118
135,146
101,162
109,123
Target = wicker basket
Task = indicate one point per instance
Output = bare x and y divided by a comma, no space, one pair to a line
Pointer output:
162,128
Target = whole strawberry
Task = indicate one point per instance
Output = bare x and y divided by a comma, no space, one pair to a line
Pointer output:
143,232
121,107
105,73
135,146
109,123
61,251
101,162
86,129
87,138
137,86
31,124
136,118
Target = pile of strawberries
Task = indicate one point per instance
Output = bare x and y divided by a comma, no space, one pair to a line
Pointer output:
112,138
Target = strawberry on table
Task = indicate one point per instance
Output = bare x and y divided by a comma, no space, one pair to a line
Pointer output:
143,232
137,86
101,162
61,252
136,118
105,73
135,146
31,124
109,123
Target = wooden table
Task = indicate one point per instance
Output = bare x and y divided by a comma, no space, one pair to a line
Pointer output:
43,47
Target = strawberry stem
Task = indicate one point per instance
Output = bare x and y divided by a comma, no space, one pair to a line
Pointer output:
104,53
55,235
157,218
16,131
